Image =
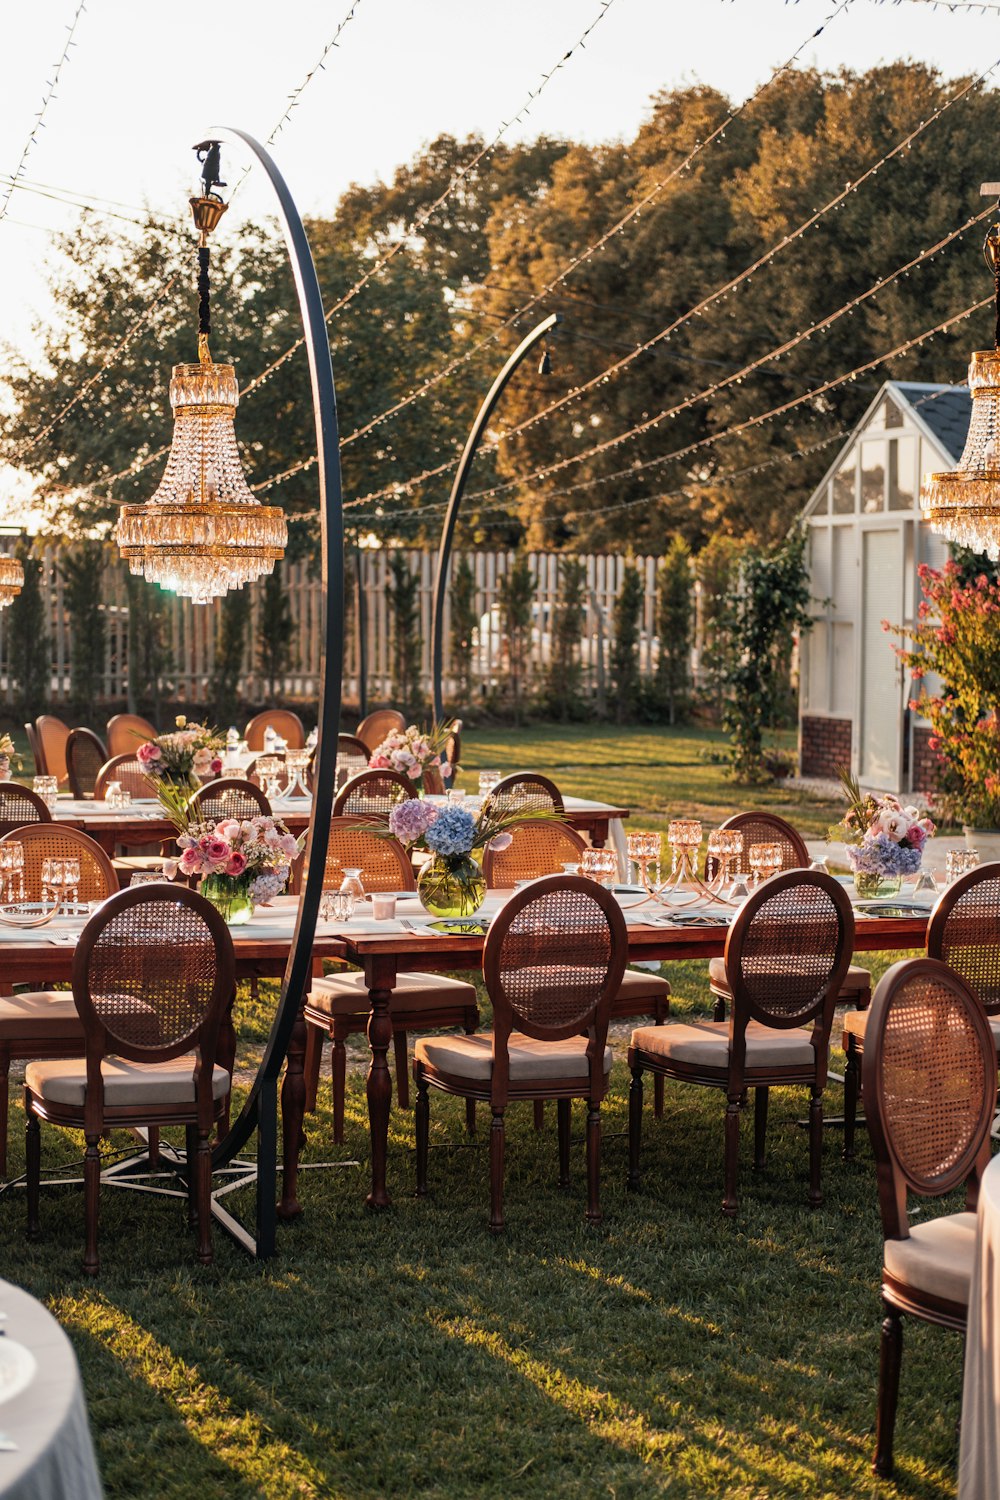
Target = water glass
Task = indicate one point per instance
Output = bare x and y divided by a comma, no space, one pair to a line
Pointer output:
487,781
268,769
343,906
383,905
455,794
11,872
925,882
113,794
47,788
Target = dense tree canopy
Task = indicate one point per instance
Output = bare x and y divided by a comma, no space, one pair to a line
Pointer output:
507,229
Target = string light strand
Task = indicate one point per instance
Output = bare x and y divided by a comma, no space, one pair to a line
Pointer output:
50,93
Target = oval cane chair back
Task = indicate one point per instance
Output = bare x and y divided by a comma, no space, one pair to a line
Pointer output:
152,975
554,959
130,772
763,828
52,735
373,794
788,951
929,1078
20,805
524,791
126,732
964,932
229,798
37,753
286,725
373,729
383,862
85,755
41,841
537,848
352,758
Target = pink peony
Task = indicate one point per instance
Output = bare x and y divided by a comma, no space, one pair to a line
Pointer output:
190,862
236,863
501,841
228,829
147,753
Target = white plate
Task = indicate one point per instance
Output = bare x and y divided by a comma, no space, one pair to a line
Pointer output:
17,1369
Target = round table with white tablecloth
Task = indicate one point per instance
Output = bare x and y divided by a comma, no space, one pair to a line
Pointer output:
46,1452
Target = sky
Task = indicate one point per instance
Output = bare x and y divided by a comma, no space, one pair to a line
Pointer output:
142,83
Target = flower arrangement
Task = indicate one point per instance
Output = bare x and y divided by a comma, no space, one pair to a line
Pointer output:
7,754
411,752
956,638
241,863
451,882
885,840
189,752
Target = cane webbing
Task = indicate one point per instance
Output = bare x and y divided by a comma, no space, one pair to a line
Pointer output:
554,959
790,950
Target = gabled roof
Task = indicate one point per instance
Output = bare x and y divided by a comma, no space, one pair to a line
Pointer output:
945,409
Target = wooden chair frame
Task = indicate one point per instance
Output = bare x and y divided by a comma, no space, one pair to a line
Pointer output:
364,779
13,793
504,788
734,1078
286,724
896,1179
126,732
95,1118
500,1091
228,788
79,742
53,733
375,726
778,832
37,750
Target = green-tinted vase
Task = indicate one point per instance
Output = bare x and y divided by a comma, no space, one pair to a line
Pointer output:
452,885
868,886
230,895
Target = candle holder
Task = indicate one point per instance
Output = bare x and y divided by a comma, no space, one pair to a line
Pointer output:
684,886
764,861
297,764
724,845
12,888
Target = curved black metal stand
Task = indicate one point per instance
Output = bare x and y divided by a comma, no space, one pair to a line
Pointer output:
457,490
260,1110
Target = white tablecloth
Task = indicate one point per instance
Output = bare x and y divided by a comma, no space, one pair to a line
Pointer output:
54,1458
979,1453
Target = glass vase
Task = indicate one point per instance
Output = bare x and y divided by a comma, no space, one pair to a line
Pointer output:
868,885
230,895
4,767
451,885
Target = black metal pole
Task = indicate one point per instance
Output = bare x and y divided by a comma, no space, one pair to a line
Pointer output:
457,490
259,1111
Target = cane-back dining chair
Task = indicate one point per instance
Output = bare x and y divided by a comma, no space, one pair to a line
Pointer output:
964,932
786,954
768,828
539,848
373,729
85,755
452,749
35,746
153,975
337,1006
126,732
52,735
286,725
553,960
352,758
45,1023
524,791
373,794
229,797
20,805
129,772
930,1092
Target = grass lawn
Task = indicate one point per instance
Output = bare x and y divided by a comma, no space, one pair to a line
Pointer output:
665,1352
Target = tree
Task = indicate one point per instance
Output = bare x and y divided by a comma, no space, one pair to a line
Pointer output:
771,601
516,596
81,570
149,654
28,636
716,568
230,647
625,643
674,599
565,672
275,638
464,621
404,603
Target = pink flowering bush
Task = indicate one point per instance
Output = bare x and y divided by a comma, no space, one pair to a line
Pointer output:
411,752
957,637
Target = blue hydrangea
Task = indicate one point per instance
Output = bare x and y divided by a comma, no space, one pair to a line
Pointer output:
452,832
879,855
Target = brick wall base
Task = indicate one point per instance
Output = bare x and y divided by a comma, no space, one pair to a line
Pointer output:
926,762
824,744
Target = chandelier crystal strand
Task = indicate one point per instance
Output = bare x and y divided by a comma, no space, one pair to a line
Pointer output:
11,579
203,533
964,505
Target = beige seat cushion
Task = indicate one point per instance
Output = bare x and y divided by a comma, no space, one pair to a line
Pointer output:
705,1044
937,1258
472,1057
638,985
45,1013
125,1083
347,994
855,1022
856,981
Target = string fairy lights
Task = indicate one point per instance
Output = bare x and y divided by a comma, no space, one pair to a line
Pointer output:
50,93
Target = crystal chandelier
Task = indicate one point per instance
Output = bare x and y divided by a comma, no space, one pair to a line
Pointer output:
202,532
964,505
11,579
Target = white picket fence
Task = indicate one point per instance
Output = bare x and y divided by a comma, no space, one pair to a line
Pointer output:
193,628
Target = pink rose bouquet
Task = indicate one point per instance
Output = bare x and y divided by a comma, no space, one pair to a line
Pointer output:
411,752
257,852
187,755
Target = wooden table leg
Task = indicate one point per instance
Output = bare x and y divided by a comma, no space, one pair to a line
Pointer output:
293,1108
380,976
